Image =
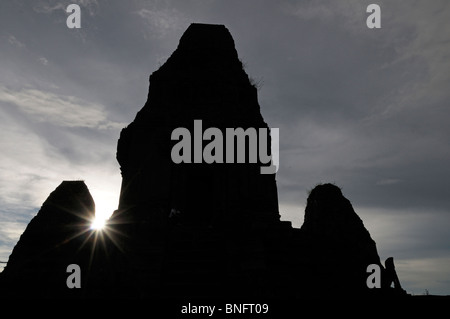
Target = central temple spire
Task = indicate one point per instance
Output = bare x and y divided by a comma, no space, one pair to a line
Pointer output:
202,80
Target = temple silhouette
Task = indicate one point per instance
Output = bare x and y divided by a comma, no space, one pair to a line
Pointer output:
195,229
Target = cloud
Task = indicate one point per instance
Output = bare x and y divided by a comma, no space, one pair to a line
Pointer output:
49,137
91,5
10,234
66,111
425,274
36,161
49,7
389,181
429,45
359,107
13,40
12,231
348,14
43,60
162,21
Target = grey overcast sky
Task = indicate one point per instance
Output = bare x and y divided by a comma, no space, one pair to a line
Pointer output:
367,109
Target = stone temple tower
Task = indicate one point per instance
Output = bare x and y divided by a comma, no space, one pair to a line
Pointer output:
202,80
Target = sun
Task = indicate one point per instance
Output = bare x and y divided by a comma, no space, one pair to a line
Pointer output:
98,223
104,207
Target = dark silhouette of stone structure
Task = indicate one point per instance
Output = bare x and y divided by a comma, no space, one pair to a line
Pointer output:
202,80
195,229
335,243
390,277
55,238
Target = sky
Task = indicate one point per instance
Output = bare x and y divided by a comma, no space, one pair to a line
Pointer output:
366,109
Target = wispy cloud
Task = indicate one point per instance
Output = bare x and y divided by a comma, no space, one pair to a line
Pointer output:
14,41
91,6
44,7
43,60
162,21
66,111
351,14
389,181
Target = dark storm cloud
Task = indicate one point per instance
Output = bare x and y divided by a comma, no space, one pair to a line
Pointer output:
356,104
